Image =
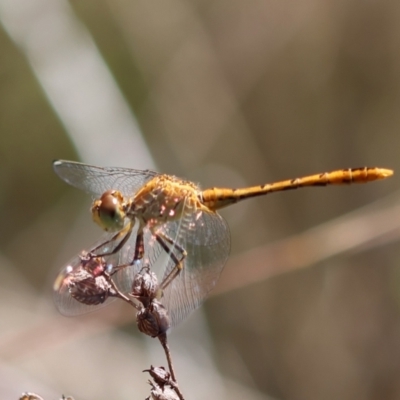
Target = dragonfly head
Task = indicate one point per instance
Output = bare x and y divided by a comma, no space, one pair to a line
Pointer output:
109,211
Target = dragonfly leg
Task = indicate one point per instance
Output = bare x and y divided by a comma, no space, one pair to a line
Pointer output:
162,239
139,247
126,233
115,237
119,294
173,243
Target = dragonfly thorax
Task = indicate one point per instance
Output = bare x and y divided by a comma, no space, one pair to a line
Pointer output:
110,211
164,198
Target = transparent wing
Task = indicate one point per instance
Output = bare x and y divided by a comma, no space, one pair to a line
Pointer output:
205,237
97,180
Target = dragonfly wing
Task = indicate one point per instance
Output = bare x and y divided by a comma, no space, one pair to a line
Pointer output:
97,180
206,239
205,228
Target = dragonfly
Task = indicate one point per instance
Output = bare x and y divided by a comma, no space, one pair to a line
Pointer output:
168,223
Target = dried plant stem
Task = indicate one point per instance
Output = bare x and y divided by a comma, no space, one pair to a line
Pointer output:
163,340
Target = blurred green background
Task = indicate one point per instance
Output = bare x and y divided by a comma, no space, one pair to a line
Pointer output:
224,93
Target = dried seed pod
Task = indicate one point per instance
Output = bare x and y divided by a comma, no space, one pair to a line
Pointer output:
90,283
30,396
145,286
160,375
153,320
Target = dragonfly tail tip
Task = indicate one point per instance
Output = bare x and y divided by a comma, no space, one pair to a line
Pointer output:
385,173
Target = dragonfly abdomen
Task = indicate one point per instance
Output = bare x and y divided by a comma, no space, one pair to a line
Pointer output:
216,198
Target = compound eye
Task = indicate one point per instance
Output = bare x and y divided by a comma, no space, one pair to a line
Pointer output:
109,211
